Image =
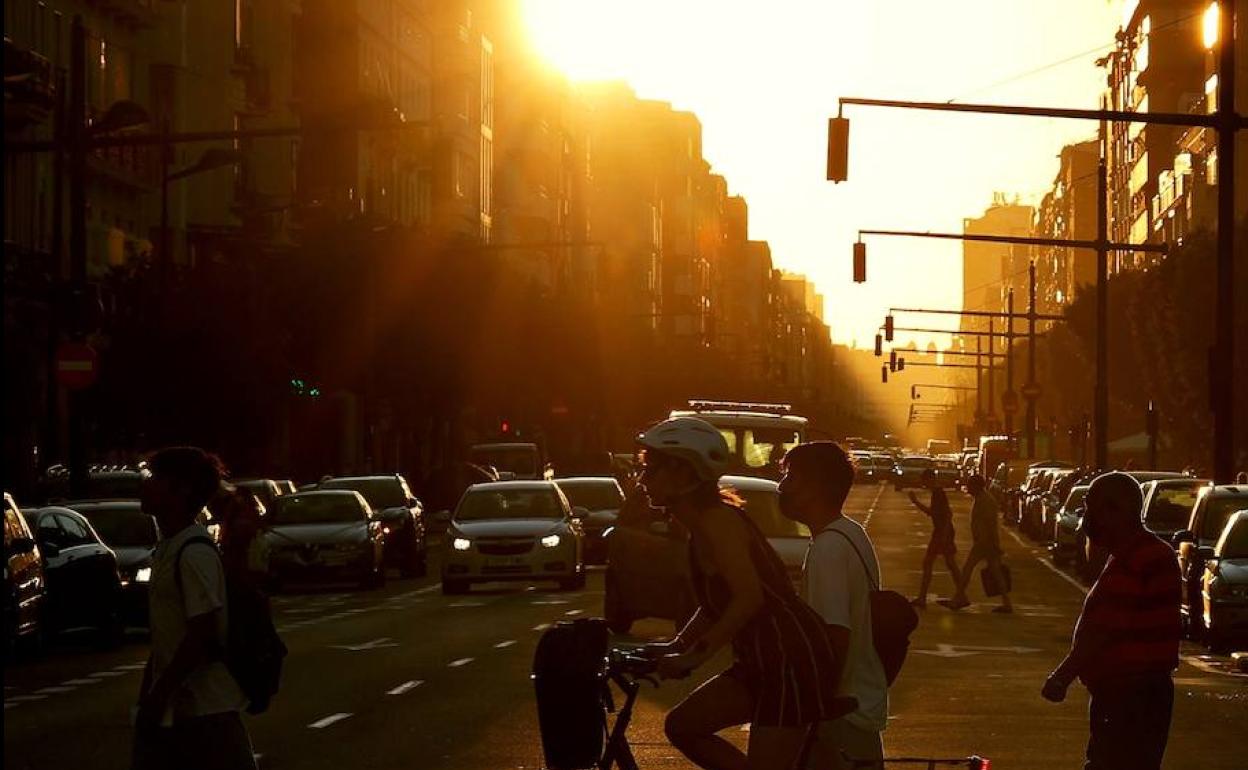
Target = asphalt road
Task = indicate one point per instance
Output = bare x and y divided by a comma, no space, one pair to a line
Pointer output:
404,677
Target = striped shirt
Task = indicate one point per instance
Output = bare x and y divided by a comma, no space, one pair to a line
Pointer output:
1135,603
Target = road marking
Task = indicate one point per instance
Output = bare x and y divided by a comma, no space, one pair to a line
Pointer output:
871,510
405,687
541,627
103,674
962,650
427,589
460,662
76,682
24,698
375,644
329,720
541,602
467,604
131,667
503,645
53,690
1078,586
573,612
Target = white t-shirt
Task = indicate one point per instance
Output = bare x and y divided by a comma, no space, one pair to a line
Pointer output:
209,689
835,584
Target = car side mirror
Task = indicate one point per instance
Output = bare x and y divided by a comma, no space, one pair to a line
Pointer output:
660,528
21,545
1181,537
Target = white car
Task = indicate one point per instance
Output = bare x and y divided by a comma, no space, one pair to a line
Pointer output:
514,531
762,504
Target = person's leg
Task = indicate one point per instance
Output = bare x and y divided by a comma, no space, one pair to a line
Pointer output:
1146,711
968,569
151,749
722,701
994,567
776,748
214,742
926,581
951,562
842,746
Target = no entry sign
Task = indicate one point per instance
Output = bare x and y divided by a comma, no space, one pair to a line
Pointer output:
76,364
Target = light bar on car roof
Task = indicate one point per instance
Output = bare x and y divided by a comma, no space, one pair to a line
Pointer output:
703,405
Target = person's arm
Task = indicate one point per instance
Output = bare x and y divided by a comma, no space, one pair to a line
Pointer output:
1089,640
730,551
915,500
828,579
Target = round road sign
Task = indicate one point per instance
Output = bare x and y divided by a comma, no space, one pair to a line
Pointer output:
75,365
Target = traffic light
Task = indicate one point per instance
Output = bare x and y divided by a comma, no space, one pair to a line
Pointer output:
901,364
838,149
883,374
860,262
504,427
888,327
879,346
914,391
892,360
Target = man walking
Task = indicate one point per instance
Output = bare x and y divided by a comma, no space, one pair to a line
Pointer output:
188,711
838,576
942,543
1126,641
985,546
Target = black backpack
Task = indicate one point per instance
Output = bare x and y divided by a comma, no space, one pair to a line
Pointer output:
893,619
254,650
570,677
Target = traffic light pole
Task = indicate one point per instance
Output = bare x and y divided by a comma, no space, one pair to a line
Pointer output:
1223,377
1009,357
77,135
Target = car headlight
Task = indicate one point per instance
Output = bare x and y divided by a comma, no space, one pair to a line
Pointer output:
461,544
143,574
550,541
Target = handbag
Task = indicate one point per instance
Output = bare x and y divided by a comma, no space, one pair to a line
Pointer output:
989,581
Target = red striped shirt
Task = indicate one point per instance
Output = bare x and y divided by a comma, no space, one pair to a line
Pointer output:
1135,602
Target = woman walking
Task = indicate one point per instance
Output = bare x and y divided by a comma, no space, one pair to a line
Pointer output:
942,543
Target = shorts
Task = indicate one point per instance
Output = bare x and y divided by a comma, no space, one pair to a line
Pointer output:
943,545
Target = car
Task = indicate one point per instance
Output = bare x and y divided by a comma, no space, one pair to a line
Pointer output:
1031,520
1051,501
401,515
112,484
1005,486
325,534
514,531
788,538
286,486
870,468
519,460
84,585
1067,539
132,535
1214,507
1224,586
265,490
25,585
947,473
908,471
1168,504
602,497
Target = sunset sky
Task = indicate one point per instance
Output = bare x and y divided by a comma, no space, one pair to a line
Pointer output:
765,76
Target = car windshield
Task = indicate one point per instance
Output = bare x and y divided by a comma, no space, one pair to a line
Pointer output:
1171,506
380,493
1234,544
763,508
315,509
593,495
916,462
1075,498
123,527
483,504
521,461
1219,511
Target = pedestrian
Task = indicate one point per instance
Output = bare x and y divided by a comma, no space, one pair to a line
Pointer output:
838,576
782,679
985,546
942,543
1126,641
244,549
188,714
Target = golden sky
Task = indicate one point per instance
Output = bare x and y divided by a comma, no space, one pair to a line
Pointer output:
764,76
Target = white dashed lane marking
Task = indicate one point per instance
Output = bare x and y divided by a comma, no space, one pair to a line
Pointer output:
503,645
53,690
460,662
541,627
76,682
106,674
321,724
573,612
405,687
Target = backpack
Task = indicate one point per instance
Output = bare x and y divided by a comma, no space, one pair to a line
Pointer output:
893,619
254,650
570,679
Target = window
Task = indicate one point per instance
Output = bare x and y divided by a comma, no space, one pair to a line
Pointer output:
76,532
47,532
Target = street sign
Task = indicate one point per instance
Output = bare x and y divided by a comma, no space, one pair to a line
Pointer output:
76,364
1009,402
1031,390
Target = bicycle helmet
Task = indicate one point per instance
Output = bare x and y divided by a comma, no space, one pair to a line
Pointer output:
693,440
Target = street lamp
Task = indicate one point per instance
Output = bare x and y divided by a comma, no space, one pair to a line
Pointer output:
212,158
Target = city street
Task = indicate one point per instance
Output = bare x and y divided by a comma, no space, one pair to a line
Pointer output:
404,677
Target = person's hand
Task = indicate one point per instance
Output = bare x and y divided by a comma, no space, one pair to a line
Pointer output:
680,665
1055,688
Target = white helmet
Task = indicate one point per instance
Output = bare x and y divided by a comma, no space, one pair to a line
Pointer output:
693,440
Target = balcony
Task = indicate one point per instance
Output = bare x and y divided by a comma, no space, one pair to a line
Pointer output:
29,87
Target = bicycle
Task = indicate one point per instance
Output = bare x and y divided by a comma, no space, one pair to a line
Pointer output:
628,670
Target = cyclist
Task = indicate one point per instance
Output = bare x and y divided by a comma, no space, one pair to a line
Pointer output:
783,678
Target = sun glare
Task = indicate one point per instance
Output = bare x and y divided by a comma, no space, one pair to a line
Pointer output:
573,36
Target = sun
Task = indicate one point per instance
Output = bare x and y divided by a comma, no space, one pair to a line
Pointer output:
592,39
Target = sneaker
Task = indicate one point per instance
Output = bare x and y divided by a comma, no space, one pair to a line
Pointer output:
955,604
1004,610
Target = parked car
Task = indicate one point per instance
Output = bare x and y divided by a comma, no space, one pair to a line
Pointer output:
25,584
1005,486
1168,504
1213,509
401,515
132,535
325,534
602,497
286,486
1224,586
1051,501
1067,537
514,530
908,472
84,586
1030,513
